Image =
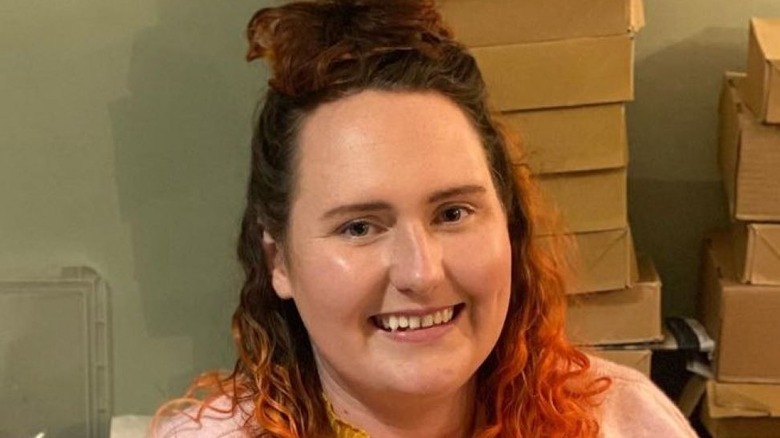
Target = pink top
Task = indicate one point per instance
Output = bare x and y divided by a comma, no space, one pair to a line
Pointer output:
632,407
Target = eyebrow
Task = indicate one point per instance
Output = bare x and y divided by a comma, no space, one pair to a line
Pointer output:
470,189
375,206
361,207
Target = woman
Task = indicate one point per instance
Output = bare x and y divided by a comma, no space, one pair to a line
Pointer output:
392,285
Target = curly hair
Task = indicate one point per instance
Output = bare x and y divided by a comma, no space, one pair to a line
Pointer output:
534,382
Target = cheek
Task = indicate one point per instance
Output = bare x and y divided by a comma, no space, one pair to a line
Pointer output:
332,286
483,265
484,276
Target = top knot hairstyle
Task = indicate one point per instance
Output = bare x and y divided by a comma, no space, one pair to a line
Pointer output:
308,44
533,383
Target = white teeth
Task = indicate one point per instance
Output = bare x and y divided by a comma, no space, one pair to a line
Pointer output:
414,322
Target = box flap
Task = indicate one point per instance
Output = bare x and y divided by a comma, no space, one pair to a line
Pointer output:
720,424
478,23
743,400
596,261
562,73
761,253
594,138
603,261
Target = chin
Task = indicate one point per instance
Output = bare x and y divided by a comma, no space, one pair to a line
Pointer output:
431,382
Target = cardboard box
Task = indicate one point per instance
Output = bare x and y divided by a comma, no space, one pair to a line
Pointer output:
588,201
741,411
761,88
559,73
742,319
570,139
493,22
607,261
600,260
749,158
639,360
757,253
623,316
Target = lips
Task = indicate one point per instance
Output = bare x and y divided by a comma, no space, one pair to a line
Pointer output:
406,322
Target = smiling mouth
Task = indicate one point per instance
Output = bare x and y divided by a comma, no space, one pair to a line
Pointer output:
404,322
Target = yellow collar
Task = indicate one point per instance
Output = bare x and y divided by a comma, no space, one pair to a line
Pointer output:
346,430
341,427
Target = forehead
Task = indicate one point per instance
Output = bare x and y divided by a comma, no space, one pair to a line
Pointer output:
375,141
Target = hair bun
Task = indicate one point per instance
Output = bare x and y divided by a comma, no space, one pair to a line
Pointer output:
303,41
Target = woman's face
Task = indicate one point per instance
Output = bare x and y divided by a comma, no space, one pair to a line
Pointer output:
398,256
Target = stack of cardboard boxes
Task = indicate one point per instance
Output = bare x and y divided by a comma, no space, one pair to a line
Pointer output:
560,72
739,299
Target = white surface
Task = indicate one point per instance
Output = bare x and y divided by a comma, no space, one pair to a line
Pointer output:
130,426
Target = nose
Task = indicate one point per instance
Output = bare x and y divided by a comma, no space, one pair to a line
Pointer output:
417,263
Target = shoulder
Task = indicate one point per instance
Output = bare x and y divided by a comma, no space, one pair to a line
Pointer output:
218,419
633,406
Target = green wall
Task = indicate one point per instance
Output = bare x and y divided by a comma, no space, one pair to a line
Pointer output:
125,127
123,147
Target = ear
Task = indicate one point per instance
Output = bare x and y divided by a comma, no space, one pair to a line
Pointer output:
275,263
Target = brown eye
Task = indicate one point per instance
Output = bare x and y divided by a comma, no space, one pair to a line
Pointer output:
453,214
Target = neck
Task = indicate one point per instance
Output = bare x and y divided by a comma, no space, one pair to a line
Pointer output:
389,416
